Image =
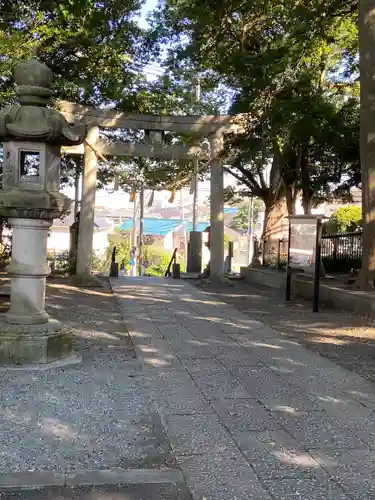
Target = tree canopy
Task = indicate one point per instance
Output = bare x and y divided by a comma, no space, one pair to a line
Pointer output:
291,70
90,46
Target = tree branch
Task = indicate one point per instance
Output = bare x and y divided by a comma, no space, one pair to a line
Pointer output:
246,173
254,188
260,170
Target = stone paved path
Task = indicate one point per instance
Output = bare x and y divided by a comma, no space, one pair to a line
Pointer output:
249,412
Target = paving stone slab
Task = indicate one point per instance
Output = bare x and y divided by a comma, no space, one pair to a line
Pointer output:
237,357
198,326
181,403
344,464
220,385
305,489
221,477
192,349
168,377
243,415
192,434
231,354
269,349
259,443
128,492
174,331
286,464
358,488
309,381
252,331
362,396
356,417
288,402
204,366
317,431
262,383
173,392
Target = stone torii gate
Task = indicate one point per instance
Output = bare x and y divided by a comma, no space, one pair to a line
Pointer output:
212,127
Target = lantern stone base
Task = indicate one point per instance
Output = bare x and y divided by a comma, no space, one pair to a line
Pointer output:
34,344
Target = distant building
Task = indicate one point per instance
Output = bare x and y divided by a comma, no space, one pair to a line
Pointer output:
58,240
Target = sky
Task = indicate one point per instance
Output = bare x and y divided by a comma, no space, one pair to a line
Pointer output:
148,6
152,70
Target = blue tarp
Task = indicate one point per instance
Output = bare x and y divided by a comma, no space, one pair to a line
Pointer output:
161,227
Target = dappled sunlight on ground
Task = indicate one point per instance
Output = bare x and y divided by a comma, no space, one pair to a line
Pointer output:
63,287
345,338
330,340
53,427
302,460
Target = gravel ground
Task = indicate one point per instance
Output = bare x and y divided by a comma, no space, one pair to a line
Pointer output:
93,415
346,339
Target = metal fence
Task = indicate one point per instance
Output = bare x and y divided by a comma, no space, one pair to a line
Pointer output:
342,252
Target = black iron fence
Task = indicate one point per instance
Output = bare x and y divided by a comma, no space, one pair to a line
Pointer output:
342,252
275,253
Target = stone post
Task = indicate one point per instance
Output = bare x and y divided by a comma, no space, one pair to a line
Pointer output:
73,244
32,136
87,213
217,211
194,263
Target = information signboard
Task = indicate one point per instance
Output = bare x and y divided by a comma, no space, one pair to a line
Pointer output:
305,234
302,243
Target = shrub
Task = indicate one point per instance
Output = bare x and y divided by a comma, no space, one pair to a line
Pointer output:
345,219
155,260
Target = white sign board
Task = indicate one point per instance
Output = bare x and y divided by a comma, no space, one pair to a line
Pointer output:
302,243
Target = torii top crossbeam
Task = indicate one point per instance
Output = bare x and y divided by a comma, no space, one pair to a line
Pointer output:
196,125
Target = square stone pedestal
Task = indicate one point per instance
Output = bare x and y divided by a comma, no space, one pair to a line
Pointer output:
34,344
194,260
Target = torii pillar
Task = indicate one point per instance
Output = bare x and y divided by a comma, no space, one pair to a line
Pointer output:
83,276
217,210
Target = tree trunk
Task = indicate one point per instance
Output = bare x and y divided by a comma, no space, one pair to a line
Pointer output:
306,203
274,228
307,193
367,139
291,198
275,222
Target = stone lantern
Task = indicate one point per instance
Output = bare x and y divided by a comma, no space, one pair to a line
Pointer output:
32,136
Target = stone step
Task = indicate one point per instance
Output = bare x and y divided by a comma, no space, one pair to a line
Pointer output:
111,484
177,491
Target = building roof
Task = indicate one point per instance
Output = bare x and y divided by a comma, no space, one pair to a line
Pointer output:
161,227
